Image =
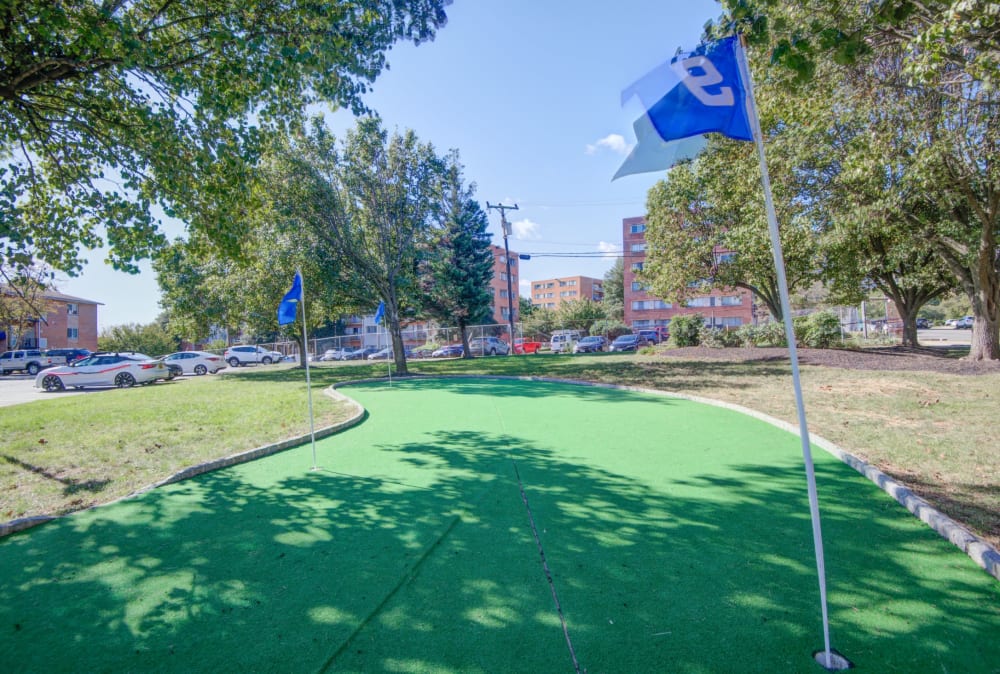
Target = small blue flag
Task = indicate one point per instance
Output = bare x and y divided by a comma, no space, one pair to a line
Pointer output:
290,302
379,313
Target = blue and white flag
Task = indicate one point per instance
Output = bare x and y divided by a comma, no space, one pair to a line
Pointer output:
379,313
692,94
290,302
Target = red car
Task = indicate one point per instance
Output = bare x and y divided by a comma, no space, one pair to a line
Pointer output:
524,346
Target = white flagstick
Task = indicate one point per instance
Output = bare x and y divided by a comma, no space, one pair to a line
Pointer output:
779,263
305,353
388,345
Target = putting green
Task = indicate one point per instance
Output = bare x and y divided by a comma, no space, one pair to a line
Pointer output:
677,535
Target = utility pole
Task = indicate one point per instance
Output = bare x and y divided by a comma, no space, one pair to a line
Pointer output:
510,297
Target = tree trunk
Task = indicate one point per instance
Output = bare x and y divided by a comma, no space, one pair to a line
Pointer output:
465,339
986,305
398,352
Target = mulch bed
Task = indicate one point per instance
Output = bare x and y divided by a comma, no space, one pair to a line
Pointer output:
935,359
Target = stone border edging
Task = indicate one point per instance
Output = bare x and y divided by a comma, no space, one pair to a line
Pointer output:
13,526
981,552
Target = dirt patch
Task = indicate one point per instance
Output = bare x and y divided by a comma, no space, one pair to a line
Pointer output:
932,359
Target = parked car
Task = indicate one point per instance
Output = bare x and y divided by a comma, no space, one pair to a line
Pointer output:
337,354
387,353
628,343
563,341
923,323
652,336
449,351
67,356
122,370
363,352
965,323
422,352
196,362
526,346
951,322
25,360
488,346
246,355
591,344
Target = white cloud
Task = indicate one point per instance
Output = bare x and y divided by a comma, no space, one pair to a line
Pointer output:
614,142
526,230
610,250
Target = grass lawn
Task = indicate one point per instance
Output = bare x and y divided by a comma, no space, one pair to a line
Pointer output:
677,536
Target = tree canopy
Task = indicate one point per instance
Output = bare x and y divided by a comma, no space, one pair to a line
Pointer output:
114,112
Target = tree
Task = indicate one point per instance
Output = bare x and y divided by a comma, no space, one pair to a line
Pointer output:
937,67
524,307
109,109
614,291
371,203
204,290
457,267
151,340
22,298
578,314
706,229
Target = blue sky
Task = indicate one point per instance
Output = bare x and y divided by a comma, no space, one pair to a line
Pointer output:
529,92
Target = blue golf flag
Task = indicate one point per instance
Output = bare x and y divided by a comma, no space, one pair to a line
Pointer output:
379,313
289,303
692,94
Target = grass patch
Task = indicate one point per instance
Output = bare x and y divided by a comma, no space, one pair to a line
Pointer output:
935,432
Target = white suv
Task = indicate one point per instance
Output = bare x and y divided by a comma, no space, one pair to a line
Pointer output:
27,360
245,355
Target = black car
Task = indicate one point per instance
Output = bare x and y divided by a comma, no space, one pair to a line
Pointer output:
923,323
628,343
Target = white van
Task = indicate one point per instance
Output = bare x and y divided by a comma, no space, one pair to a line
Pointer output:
564,340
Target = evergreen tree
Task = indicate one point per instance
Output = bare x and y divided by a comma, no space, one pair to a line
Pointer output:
456,271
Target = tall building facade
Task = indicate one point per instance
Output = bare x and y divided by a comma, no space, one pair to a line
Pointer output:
550,293
722,308
498,285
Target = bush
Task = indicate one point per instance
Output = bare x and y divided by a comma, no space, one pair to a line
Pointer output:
718,338
765,334
609,329
821,330
686,330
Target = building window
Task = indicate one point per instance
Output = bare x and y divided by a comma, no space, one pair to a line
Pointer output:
729,322
726,257
562,284
503,294
638,248
505,313
73,309
700,302
731,300
647,305
636,266
72,333
638,229
638,286
549,285
537,286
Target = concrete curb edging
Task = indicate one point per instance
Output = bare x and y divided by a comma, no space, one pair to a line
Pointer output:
981,552
358,412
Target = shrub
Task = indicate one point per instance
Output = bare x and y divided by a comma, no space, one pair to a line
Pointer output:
686,330
765,334
609,329
821,330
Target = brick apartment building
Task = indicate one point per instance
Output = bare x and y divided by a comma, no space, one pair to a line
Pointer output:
725,308
498,285
550,293
71,322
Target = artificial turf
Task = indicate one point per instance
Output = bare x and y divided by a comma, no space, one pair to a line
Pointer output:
677,535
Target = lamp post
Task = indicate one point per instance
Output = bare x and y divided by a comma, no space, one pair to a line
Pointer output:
506,251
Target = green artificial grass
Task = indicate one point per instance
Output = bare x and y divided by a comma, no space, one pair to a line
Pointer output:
677,534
